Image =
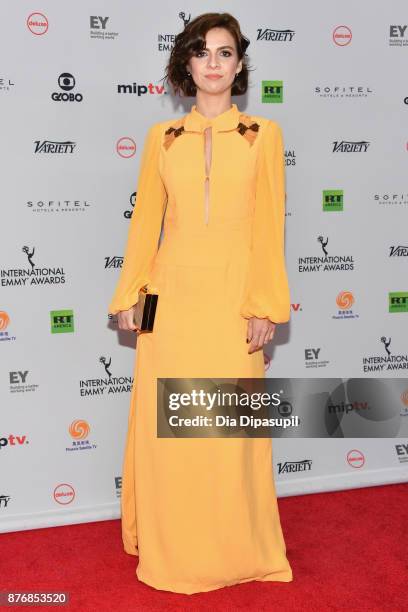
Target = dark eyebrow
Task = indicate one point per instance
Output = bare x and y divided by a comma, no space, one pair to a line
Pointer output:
223,47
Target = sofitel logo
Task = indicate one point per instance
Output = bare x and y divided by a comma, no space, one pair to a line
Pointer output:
272,35
387,362
50,206
17,277
111,384
350,146
391,199
342,91
291,467
328,263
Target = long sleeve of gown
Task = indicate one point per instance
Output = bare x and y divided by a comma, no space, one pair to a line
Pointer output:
267,291
144,228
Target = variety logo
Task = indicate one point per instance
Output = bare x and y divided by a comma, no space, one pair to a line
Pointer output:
140,90
292,467
350,146
166,41
398,251
355,458
79,432
99,30
12,440
4,500
391,199
333,199
64,494
342,91
327,263
398,301
19,384
37,23
398,36
388,362
272,92
312,358
110,384
63,206
113,262
342,35
126,147
62,321
19,277
4,321
54,146
272,35
66,82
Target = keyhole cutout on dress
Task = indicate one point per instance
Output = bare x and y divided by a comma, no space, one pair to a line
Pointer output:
207,154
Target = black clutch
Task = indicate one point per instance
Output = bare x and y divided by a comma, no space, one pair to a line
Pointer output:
145,310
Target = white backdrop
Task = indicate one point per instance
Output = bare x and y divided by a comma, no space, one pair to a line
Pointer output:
79,87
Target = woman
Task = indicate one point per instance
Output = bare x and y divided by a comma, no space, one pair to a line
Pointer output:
202,513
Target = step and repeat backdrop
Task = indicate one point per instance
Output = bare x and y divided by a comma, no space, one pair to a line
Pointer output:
79,87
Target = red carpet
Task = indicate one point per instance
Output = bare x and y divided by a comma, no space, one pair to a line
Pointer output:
348,551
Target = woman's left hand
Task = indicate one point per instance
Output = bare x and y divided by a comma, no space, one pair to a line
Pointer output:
259,333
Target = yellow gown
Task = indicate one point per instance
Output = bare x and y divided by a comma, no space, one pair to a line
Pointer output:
202,513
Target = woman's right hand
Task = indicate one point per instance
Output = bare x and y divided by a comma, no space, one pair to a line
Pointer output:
125,320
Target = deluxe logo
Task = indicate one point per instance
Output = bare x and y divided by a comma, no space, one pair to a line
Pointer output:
4,321
343,91
398,251
355,458
113,262
110,383
344,301
398,36
350,146
388,362
64,494
272,35
63,206
391,199
12,440
19,384
398,301
342,35
312,358
333,199
128,213
272,92
54,146
98,28
328,263
62,321
292,467
79,432
126,147
20,277
37,23
140,90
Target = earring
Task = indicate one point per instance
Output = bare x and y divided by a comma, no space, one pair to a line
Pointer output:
188,73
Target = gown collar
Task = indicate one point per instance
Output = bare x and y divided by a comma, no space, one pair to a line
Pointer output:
228,120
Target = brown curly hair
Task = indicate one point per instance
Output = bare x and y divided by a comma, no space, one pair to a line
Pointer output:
192,40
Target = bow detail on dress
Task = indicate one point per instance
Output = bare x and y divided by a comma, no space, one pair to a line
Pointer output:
171,133
247,129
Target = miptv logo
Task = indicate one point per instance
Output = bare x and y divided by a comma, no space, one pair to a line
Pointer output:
37,23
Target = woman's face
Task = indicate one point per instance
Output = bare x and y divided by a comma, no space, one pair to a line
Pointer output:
220,58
